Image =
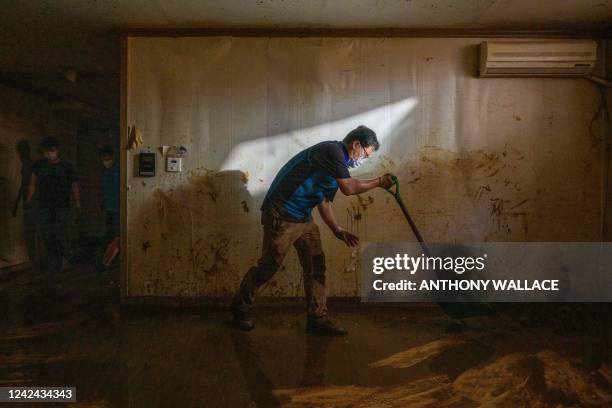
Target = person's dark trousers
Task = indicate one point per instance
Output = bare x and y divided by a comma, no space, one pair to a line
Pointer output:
279,236
54,227
112,225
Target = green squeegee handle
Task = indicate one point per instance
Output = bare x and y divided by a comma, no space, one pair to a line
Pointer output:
395,193
455,310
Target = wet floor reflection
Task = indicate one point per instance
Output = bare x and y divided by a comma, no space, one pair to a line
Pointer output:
315,361
192,357
260,388
259,385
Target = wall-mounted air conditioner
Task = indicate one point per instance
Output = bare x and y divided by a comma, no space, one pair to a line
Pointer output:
537,58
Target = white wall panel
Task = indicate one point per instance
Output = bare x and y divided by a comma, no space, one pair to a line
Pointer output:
478,159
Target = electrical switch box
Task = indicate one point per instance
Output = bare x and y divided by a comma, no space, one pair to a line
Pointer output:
174,164
146,164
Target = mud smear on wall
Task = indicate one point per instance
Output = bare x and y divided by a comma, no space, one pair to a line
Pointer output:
469,195
454,196
245,206
196,221
365,202
355,216
206,183
211,257
356,223
465,196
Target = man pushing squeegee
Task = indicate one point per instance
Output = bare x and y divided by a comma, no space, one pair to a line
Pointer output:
310,179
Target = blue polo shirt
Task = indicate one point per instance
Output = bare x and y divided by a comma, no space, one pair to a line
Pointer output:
306,180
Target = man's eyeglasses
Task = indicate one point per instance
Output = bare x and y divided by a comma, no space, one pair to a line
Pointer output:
365,152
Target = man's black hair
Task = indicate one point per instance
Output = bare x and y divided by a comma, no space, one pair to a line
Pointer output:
49,143
106,151
365,136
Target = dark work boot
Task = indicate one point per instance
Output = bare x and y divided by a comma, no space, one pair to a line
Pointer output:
241,320
323,325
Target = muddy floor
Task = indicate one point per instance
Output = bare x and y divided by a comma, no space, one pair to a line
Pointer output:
69,329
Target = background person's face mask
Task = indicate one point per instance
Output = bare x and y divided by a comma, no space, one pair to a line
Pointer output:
107,163
50,155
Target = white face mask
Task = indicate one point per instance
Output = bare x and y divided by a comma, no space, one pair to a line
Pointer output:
107,163
358,162
51,156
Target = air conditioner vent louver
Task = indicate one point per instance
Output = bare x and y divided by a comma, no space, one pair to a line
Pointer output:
541,54
537,58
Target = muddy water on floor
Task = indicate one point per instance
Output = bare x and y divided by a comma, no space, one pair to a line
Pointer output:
76,334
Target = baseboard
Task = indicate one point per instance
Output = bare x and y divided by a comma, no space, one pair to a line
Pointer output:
263,302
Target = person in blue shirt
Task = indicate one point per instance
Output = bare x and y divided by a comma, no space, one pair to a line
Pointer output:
110,191
310,179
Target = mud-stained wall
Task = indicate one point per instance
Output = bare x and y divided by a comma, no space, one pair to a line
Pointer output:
24,121
478,159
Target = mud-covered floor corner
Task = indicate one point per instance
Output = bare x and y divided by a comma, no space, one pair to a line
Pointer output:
70,329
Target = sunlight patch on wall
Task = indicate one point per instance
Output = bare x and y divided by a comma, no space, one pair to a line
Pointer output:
262,158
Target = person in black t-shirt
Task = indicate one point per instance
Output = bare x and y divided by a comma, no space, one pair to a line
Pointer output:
56,182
